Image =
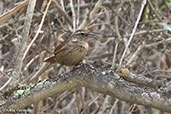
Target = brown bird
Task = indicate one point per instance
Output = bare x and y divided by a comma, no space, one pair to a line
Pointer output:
72,52
69,53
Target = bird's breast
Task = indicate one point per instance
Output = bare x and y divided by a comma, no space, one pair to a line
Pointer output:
73,54
85,45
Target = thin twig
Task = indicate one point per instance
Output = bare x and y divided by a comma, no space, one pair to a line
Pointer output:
7,82
30,62
134,30
78,13
7,15
105,104
114,105
141,47
118,33
87,20
73,15
90,103
62,12
114,55
38,31
146,31
134,56
157,15
159,42
99,56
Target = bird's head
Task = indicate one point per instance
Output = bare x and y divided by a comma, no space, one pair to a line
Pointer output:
84,35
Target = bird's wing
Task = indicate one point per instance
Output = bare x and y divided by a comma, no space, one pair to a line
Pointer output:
51,59
59,47
65,45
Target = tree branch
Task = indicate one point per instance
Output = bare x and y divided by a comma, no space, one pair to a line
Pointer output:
23,43
97,79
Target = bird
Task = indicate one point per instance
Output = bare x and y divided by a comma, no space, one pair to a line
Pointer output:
70,53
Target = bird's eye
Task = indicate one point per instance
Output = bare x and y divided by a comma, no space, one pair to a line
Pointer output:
82,33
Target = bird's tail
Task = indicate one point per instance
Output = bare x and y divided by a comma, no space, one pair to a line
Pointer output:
51,59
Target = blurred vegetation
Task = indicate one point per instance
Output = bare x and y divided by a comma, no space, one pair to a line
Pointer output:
153,61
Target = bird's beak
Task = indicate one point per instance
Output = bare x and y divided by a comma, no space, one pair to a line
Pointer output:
94,35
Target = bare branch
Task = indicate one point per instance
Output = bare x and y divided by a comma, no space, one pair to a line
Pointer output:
62,12
96,79
140,79
92,14
23,43
133,31
38,31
